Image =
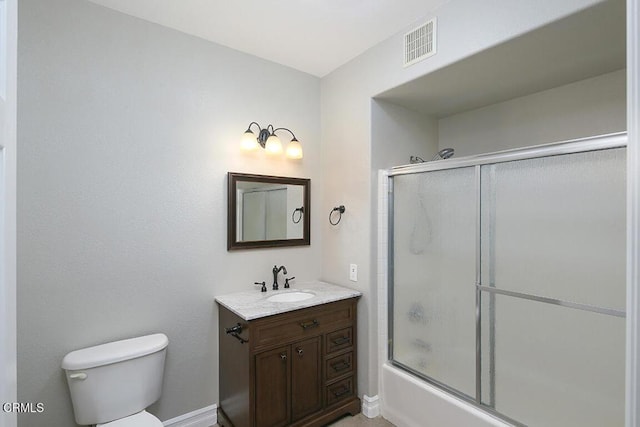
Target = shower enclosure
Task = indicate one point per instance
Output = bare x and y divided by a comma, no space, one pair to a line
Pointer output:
507,280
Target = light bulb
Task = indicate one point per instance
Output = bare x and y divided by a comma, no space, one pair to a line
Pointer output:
294,149
273,145
249,142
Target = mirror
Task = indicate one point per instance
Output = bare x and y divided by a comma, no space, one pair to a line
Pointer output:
267,211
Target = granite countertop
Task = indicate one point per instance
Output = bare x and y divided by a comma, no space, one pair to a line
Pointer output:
254,304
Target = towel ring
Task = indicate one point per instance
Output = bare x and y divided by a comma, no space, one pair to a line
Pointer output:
341,210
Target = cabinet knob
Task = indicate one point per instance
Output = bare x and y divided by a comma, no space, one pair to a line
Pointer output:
283,356
300,351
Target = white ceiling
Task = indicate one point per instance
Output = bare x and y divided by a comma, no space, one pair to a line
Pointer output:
314,36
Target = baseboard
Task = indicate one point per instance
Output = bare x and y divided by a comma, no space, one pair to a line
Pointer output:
370,406
203,417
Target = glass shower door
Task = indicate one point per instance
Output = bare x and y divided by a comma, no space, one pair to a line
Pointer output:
433,272
553,288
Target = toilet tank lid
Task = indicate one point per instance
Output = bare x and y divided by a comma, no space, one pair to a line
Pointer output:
113,352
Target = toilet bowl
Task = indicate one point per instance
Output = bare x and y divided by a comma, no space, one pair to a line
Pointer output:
112,384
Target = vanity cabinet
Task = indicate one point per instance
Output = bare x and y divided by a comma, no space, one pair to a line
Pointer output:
283,373
292,369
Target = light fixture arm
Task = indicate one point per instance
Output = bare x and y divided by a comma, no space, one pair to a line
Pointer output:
288,130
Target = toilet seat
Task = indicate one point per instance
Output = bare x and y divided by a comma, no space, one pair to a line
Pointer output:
141,419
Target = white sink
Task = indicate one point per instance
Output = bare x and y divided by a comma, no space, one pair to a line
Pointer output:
294,296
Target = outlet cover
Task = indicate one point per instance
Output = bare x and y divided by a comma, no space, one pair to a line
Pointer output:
353,272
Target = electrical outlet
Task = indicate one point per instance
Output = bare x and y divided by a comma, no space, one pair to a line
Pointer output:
353,272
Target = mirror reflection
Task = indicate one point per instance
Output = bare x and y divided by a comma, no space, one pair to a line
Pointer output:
267,211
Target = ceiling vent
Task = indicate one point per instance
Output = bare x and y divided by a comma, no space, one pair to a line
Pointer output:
420,43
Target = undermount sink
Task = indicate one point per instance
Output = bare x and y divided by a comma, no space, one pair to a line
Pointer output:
294,296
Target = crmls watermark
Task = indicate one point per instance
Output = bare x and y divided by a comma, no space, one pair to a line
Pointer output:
23,408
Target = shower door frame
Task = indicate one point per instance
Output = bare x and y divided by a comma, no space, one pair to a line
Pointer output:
574,146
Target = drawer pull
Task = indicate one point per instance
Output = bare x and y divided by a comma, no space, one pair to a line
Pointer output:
307,325
340,366
345,390
341,340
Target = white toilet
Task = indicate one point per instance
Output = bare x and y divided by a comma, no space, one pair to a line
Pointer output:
112,384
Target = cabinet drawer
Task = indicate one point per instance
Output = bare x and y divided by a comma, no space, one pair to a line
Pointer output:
305,323
338,340
338,366
339,391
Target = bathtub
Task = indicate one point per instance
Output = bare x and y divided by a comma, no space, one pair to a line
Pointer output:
408,401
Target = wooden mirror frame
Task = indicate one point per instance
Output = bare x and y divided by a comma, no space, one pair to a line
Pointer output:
232,180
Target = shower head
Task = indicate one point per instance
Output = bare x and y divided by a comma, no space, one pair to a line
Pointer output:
445,153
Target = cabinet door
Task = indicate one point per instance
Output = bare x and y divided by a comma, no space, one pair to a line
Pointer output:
306,378
272,387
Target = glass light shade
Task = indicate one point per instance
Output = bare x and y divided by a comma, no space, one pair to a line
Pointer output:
294,149
273,145
249,141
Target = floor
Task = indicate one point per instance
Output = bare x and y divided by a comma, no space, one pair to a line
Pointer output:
358,421
361,421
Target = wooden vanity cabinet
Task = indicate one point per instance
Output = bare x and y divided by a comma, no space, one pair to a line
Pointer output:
292,369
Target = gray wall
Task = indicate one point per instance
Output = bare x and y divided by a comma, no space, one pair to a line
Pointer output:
126,132
593,106
397,133
588,107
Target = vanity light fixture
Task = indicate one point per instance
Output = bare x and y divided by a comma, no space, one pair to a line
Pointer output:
268,140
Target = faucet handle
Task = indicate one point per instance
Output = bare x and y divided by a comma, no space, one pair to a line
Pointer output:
264,286
286,281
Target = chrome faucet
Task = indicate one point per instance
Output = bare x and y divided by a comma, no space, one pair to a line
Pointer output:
276,270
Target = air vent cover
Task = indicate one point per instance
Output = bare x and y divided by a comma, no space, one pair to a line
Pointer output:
420,43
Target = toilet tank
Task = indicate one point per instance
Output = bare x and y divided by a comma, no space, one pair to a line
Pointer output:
117,379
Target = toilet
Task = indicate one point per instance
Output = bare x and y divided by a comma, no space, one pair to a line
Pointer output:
112,384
